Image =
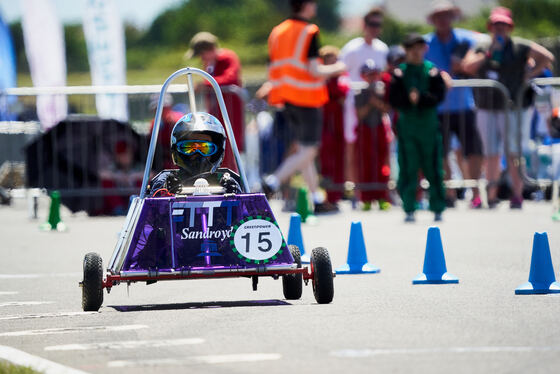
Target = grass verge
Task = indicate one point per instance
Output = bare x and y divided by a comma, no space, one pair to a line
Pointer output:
8,368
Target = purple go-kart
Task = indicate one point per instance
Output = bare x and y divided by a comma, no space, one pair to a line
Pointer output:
203,232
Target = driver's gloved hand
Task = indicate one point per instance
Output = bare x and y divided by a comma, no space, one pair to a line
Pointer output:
173,184
230,184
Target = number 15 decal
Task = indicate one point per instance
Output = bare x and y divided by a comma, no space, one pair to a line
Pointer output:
257,239
262,239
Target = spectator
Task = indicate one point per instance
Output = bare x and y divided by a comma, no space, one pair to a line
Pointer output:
332,150
504,59
447,48
297,76
169,117
354,54
224,66
274,143
553,141
416,90
372,138
123,173
395,57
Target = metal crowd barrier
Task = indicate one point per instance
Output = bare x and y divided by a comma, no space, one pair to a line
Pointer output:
70,156
541,156
266,136
452,183
277,143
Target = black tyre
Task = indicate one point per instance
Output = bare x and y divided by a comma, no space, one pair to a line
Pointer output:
92,285
323,284
292,284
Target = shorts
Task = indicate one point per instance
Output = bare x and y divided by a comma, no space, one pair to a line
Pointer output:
305,124
463,125
492,126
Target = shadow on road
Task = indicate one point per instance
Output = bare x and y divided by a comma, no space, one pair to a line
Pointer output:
202,305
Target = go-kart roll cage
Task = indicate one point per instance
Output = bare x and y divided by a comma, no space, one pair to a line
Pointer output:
192,103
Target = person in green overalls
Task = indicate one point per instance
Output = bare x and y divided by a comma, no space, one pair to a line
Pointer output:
417,87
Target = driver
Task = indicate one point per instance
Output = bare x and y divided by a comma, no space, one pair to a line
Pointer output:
198,144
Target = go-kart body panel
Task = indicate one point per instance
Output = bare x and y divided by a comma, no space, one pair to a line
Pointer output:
191,233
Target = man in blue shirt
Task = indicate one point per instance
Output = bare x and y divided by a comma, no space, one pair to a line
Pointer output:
447,47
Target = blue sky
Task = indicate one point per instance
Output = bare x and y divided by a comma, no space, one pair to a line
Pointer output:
142,12
138,12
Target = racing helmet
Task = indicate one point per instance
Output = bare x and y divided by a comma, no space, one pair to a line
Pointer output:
202,156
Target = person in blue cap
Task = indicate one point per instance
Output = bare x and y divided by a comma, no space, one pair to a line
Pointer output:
448,46
372,140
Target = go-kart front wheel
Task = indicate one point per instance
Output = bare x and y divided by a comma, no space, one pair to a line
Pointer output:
292,284
323,284
92,285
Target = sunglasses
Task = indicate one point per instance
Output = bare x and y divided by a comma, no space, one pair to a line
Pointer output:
205,148
374,24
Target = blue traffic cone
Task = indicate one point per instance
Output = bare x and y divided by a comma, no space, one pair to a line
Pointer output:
295,237
541,275
435,270
357,261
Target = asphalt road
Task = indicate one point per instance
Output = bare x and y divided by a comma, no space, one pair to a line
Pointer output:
376,323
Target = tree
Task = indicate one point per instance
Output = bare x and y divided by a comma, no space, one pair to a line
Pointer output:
244,20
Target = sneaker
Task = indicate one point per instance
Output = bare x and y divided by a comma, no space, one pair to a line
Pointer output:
449,202
325,207
410,217
384,204
493,203
476,203
516,203
267,189
5,198
437,217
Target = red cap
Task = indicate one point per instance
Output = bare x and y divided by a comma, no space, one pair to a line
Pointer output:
502,15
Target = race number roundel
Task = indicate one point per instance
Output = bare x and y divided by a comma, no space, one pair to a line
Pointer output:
257,239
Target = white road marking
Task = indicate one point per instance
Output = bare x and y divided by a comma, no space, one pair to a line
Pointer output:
36,363
4,293
23,303
41,275
131,344
45,315
73,329
357,353
195,360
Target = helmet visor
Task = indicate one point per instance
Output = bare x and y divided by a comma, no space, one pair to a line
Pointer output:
189,147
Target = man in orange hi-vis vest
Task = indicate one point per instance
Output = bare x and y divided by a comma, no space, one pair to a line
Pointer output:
296,79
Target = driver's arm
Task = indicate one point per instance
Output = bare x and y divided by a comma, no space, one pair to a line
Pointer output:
163,184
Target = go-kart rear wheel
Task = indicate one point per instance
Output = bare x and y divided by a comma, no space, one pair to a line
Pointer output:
92,285
323,285
292,284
